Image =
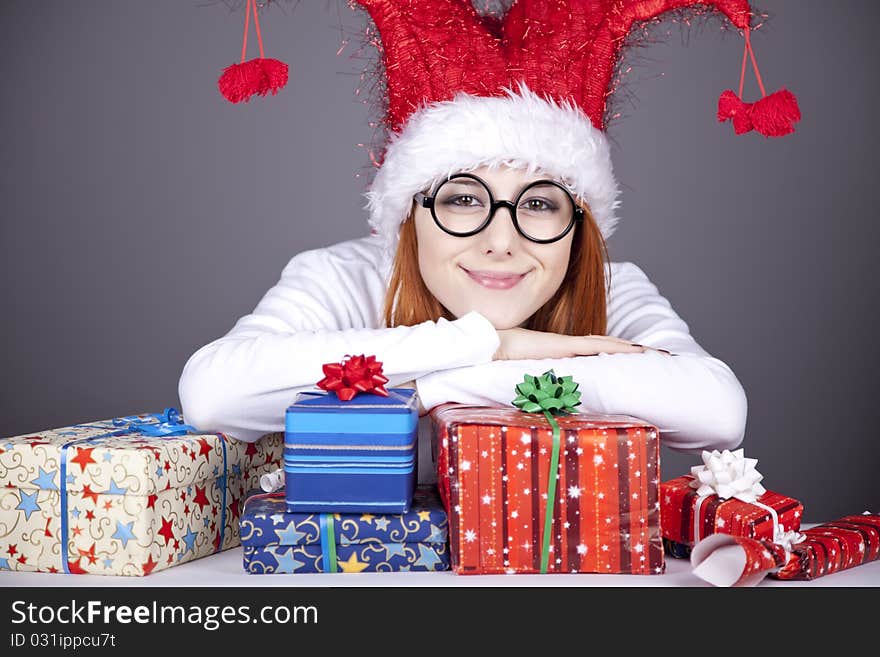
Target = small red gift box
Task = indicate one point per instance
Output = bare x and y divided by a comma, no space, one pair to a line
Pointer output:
493,466
686,516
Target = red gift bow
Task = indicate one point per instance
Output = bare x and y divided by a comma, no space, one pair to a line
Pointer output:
353,375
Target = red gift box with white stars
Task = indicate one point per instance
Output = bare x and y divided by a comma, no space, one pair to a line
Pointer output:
122,503
685,516
493,469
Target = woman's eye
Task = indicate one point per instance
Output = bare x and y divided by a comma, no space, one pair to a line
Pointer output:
462,199
538,204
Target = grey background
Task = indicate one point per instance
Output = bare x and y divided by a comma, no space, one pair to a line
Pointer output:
142,214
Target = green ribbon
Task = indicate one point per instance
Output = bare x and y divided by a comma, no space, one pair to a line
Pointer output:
328,542
550,395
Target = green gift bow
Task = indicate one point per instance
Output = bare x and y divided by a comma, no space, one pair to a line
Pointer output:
551,395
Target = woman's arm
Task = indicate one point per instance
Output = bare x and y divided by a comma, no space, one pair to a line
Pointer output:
327,305
694,399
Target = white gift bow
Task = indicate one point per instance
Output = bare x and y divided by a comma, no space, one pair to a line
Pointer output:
272,481
729,474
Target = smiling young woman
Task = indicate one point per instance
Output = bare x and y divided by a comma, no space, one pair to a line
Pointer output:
490,210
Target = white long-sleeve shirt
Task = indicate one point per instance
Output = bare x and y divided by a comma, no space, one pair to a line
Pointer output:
329,303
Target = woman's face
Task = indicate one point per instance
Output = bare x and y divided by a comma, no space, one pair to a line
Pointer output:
497,272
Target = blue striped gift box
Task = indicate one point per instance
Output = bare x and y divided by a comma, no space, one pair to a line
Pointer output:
354,456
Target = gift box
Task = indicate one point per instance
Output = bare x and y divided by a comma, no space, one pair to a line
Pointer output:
849,542
278,541
833,546
351,456
125,496
494,465
688,516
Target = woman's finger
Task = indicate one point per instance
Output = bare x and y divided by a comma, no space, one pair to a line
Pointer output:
622,341
596,344
610,338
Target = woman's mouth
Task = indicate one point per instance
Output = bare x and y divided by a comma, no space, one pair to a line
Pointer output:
495,280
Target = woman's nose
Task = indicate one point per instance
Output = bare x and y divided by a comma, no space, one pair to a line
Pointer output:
500,235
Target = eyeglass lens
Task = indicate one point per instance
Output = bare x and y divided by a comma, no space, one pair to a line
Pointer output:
543,211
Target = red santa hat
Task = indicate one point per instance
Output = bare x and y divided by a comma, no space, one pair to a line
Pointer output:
526,89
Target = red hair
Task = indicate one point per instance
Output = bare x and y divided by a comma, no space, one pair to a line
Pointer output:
577,307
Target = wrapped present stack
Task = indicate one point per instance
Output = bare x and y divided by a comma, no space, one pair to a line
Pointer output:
125,496
349,501
536,488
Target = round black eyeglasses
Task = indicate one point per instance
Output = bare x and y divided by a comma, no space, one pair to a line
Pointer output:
463,205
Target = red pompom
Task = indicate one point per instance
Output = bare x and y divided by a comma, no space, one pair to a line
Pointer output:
241,81
776,114
254,77
276,74
731,106
772,116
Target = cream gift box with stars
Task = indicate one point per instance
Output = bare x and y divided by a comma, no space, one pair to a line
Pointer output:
95,499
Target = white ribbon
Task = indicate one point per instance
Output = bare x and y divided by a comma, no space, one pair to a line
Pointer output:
788,538
272,481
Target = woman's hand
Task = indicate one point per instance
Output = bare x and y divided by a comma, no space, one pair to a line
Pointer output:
525,344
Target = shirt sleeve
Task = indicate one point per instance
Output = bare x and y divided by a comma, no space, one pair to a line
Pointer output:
693,398
326,305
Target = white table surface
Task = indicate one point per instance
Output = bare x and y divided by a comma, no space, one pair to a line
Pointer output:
226,570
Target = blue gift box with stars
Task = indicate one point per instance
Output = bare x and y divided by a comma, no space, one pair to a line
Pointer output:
350,456
278,541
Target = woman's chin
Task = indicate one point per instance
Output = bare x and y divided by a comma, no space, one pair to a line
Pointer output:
500,320
503,322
